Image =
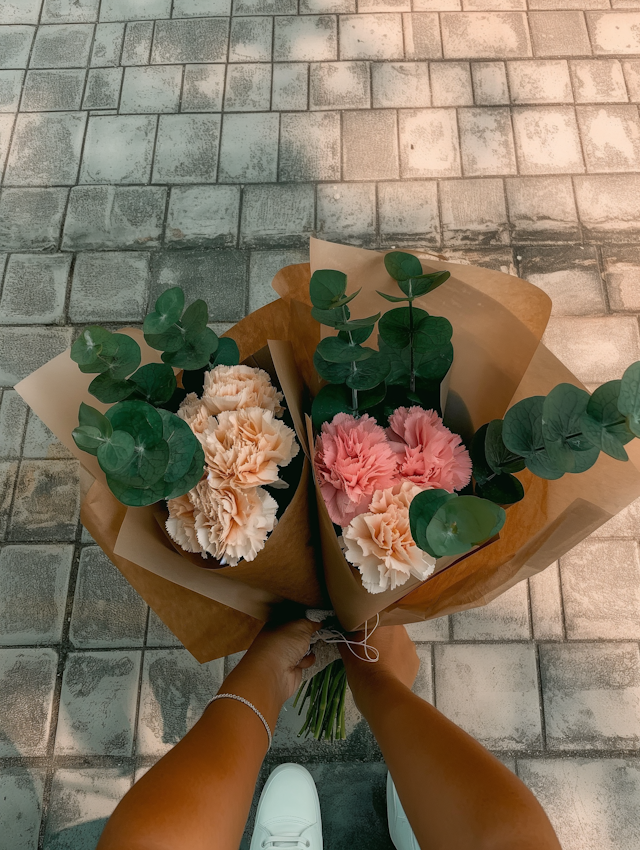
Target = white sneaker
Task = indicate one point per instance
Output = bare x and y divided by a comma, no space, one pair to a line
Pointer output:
288,816
399,827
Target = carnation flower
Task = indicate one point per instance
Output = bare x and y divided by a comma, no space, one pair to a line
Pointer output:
353,460
181,524
379,542
240,387
245,448
428,453
194,412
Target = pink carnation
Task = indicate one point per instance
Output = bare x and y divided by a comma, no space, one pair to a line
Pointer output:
353,460
429,454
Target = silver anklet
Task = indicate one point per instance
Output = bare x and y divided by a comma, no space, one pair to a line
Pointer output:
251,706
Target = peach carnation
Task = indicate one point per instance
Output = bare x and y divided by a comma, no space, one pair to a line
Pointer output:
379,542
181,523
353,460
245,448
428,453
194,412
239,387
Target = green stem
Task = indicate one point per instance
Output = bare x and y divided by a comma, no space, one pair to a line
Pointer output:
323,702
354,393
412,371
341,725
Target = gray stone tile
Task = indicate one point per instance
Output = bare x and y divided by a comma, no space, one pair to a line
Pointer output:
263,267
69,11
429,630
485,35
10,88
21,790
559,34
370,145
570,276
542,209
622,276
34,581
421,34
175,690
290,86
397,84
8,474
47,501
403,223
490,87
219,277
609,205
598,81
346,212
591,695
339,85
107,45
306,38
631,70
40,443
614,32
592,804
372,36
125,10
265,7
20,11
451,84
151,89
202,88
13,415
27,679
46,149
203,216
486,141
15,45
118,149
546,604
610,137
137,43
491,691
31,218
190,40
200,8
61,46
250,39
429,145
505,618
114,217
473,211
249,148
107,611
319,7
540,81
6,127
310,145
34,289
232,661
103,88
158,634
81,802
187,149
109,287
98,704
547,140
277,216
23,350
248,88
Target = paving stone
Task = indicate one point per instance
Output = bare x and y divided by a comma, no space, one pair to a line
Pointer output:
402,223
190,40
570,276
219,277
47,501
263,267
374,36
250,39
107,611
306,38
594,349
491,692
6,126
200,8
540,81
370,143
546,604
451,84
125,10
489,83
40,443
249,149
314,7
506,618
547,140
27,679
10,88
175,690
559,34
339,85
151,89
486,141
107,45
622,276
277,215
8,475
23,350
34,289
598,81
290,86
346,213
81,802
109,287
610,136
61,46
421,36
608,205
631,71
493,5
21,790
13,416
429,630
202,88
118,149
203,216
542,208
248,88
591,695
15,45
69,11
137,43
98,704
614,32
398,84
158,634
20,11
591,803
103,88
31,218
310,145
187,149
485,35
266,7
473,211
384,6
46,149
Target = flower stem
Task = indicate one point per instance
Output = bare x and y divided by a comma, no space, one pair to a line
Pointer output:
412,371
354,369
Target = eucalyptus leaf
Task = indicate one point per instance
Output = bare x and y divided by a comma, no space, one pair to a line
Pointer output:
88,345
417,286
394,299
370,398
434,364
332,399
395,326
155,382
402,266
227,353
357,335
356,324
421,511
88,438
136,497
346,299
629,398
182,444
147,466
337,350
603,424
330,317
503,489
369,373
431,332
171,340
498,456
195,318
188,481
481,470
139,419
335,373
326,287
88,415
193,355
108,391
562,410
116,452
168,309
460,524
522,435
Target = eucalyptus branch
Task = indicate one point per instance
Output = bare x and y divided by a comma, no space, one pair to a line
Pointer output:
354,368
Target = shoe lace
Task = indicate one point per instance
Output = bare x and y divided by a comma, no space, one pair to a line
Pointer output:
291,842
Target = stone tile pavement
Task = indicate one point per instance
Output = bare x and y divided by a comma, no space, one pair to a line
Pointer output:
150,142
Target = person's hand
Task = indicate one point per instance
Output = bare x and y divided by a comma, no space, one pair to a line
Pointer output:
397,657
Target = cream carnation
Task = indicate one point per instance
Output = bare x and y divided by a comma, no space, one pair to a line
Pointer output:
181,523
245,448
379,542
240,387
194,412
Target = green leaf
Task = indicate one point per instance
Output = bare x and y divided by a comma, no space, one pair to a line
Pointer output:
182,444
335,373
481,469
170,340
88,438
394,299
139,419
357,324
337,350
193,355
147,466
433,365
196,469
462,523
370,398
358,335
88,346
431,332
108,391
168,309
561,431
116,453
195,318
332,399
227,353
155,382
503,489
329,317
90,416
423,284
369,373
402,266
326,287
136,497
629,398
395,326
122,354
498,456
421,511
342,302
603,424
522,435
